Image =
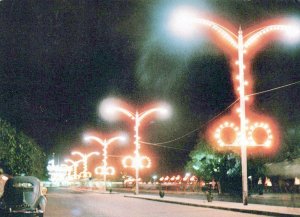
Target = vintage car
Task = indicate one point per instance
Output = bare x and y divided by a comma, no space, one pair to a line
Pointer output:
22,196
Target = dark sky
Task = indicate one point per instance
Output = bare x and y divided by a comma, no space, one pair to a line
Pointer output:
60,58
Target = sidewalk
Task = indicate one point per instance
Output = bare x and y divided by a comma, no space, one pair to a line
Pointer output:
232,206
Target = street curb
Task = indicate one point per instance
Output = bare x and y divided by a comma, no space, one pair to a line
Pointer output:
259,212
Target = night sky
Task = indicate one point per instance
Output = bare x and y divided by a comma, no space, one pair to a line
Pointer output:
60,58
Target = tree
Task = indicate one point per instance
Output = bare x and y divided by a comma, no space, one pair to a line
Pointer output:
224,167
19,154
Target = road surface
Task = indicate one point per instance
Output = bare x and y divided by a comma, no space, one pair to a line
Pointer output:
65,203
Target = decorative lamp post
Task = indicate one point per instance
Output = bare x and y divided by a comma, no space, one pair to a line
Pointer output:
74,166
85,174
104,169
185,20
109,108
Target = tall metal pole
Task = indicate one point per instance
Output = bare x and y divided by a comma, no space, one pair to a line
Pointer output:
104,162
137,154
243,139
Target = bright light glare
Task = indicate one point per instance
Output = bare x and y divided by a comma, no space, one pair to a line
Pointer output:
107,109
87,138
123,138
165,111
293,33
188,174
182,22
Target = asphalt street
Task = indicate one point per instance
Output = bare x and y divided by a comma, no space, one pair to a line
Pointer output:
64,202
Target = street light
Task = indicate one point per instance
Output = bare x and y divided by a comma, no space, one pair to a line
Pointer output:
68,170
108,110
85,174
240,43
75,166
104,169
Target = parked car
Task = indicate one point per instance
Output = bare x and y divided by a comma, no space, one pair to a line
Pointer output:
22,196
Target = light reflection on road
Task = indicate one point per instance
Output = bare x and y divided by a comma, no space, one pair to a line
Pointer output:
64,203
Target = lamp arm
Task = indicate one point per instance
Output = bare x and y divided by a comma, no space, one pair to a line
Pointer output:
126,112
260,32
223,31
111,140
78,153
148,112
97,139
92,153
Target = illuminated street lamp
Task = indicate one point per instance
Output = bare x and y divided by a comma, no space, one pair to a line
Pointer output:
75,166
108,110
85,174
68,170
184,22
104,169
154,177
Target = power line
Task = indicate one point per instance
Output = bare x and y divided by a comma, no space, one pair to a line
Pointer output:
163,146
276,88
198,128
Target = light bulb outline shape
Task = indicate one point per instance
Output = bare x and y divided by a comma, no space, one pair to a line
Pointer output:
101,170
263,126
249,132
84,174
227,125
132,162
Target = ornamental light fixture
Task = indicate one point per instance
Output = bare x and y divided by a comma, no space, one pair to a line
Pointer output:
241,48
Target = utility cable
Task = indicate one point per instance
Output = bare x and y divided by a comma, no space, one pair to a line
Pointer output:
160,144
276,88
198,128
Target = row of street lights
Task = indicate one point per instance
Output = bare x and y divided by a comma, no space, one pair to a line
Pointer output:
104,169
183,22
108,110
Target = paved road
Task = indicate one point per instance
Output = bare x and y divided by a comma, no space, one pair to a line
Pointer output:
64,203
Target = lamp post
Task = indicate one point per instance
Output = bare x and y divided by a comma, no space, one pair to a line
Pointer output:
104,169
108,108
74,165
85,173
68,170
239,42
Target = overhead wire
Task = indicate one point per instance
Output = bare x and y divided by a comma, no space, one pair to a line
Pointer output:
276,88
160,144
